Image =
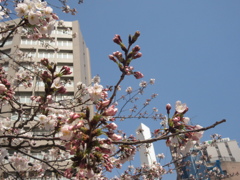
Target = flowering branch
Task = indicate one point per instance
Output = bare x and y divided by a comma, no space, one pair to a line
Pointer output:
166,136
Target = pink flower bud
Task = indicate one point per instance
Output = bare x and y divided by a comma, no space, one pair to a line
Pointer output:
66,70
135,36
105,103
2,88
62,90
111,57
136,48
80,124
117,39
111,111
44,61
115,137
74,116
138,75
176,119
138,55
168,107
112,126
54,16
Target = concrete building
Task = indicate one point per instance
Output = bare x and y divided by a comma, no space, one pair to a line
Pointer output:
223,159
224,162
63,49
224,150
191,166
147,153
72,52
228,153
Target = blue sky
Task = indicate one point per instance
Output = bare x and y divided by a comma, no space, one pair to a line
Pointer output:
191,48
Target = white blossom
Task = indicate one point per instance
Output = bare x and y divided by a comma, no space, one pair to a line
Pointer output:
180,107
21,9
95,91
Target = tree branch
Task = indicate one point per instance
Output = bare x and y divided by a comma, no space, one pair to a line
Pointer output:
166,136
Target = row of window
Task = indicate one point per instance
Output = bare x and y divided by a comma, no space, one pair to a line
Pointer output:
31,175
61,55
26,98
4,56
62,31
30,67
8,42
41,84
47,54
65,43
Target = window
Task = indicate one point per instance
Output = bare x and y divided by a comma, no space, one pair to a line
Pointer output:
46,42
4,66
29,53
46,54
60,30
29,42
64,42
24,97
40,83
65,55
15,117
8,42
4,56
67,97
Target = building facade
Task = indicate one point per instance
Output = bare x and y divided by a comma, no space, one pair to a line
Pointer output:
63,48
224,150
66,47
147,153
227,152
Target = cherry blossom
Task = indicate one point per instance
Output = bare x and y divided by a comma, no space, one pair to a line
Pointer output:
111,111
2,88
95,91
180,108
65,132
22,9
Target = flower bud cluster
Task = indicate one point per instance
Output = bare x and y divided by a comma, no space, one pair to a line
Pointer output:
179,123
124,62
6,91
24,77
52,79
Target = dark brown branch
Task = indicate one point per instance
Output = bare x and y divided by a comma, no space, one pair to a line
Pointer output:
21,23
166,136
49,165
116,87
30,138
40,147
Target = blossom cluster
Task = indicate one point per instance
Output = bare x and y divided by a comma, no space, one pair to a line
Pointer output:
6,91
39,18
178,124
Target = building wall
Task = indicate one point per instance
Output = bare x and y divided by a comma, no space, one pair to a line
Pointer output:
228,152
224,150
231,168
146,151
72,52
